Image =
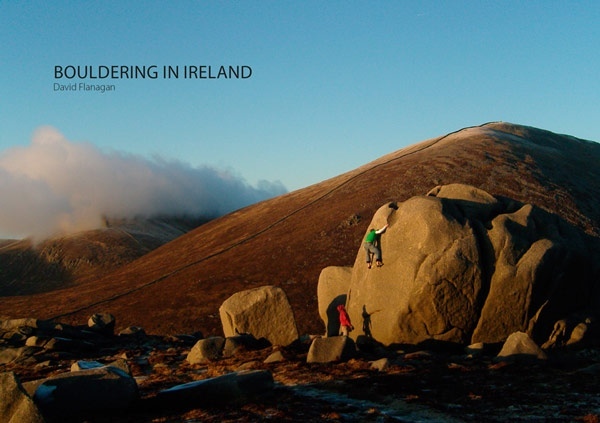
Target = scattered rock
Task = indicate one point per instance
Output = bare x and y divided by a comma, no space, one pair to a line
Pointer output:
593,369
418,355
249,365
95,389
43,364
239,343
85,365
475,350
208,349
10,355
61,344
369,345
156,361
11,324
577,330
380,365
264,312
232,388
186,339
121,364
520,346
275,357
103,323
331,349
36,341
135,331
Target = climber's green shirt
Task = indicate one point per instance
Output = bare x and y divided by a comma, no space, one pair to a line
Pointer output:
371,236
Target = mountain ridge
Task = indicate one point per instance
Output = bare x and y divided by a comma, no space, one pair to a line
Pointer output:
287,240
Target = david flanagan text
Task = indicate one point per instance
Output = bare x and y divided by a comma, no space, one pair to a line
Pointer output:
82,86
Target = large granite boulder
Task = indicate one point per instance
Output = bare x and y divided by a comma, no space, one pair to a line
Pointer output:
538,275
462,266
430,283
95,389
263,312
15,405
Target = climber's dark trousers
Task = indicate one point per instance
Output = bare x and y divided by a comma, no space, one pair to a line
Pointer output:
371,248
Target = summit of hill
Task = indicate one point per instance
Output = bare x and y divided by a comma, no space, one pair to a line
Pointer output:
286,241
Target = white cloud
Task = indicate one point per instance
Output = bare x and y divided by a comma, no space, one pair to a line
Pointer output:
56,185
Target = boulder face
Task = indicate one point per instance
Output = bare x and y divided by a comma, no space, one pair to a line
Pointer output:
463,266
15,405
332,291
263,312
330,349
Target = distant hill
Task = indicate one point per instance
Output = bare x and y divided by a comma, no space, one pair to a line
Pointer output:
27,268
286,241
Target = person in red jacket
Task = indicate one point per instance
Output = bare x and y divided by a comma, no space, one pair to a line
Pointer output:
345,323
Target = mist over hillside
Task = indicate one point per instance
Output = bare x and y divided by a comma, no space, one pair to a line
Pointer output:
55,185
28,267
286,241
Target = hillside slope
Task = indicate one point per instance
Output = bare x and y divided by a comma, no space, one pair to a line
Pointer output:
28,268
286,241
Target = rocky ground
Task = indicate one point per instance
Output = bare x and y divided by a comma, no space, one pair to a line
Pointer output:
411,385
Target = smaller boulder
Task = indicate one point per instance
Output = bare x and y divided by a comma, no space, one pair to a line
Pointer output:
275,357
95,389
85,365
519,346
205,350
475,350
579,333
103,323
231,388
10,355
264,312
18,334
133,331
248,365
576,331
380,365
332,349
120,364
11,324
236,344
36,341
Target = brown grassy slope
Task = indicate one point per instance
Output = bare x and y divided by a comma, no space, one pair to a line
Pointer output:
286,241
28,268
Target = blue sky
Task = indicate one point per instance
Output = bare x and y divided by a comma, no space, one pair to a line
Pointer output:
334,84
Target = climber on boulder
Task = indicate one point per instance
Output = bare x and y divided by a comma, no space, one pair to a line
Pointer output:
371,246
